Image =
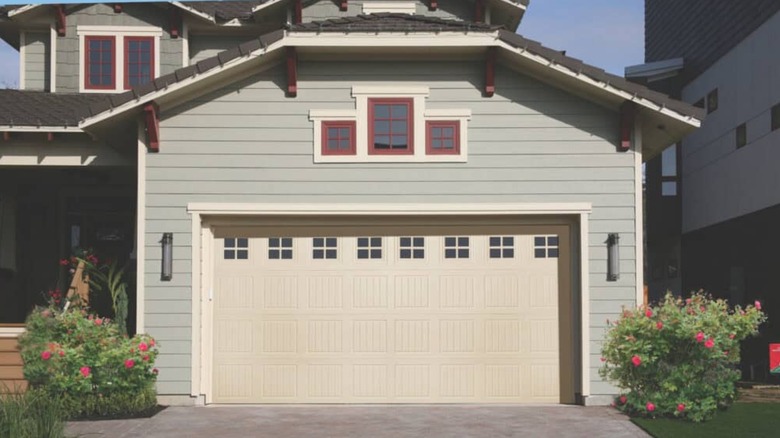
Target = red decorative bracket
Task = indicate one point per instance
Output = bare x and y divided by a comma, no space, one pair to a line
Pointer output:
152,119
298,13
490,72
292,72
118,8
6,136
343,5
59,11
433,5
627,117
479,11
174,24
49,136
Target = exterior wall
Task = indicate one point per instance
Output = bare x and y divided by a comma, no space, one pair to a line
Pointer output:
206,46
720,181
37,60
323,10
701,31
248,143
103,15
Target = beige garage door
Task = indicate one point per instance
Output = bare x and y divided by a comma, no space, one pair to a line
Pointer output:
408,314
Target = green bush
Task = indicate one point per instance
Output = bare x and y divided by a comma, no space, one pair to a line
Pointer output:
85,362
679,358
33,414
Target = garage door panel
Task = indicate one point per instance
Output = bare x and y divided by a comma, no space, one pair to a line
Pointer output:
425,321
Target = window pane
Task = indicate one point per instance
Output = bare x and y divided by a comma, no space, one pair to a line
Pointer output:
436,132
318,254
463,241
406,253
381,142
399,126
448,144
382,111
449,253
509,253
538,241
376,241
362,253
376,253
399,111
243,242
362,241
669,188
552,252
344,132
463,253
330,242
330,253
539,253
419,253
333,144
552,240
495,241
230,254
448,132
287,254
399,142
230,242
449,241
495,253
243,254
287,242
419,241
436,144
509,241
406,241
319,241
381,127
669,161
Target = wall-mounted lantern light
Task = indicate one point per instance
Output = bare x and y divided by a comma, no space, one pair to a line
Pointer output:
613,257
167,257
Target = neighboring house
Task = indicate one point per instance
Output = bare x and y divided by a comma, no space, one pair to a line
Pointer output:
411,205
713,200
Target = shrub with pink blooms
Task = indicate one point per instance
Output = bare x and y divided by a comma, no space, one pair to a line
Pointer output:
87,364
679,358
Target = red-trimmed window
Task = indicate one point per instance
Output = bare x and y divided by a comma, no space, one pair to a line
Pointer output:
139,61
338,137
442,137
390,126
100,56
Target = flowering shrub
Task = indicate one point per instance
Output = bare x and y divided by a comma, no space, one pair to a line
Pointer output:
82,358
678,359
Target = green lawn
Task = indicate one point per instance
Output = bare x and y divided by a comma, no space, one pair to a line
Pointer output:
740,420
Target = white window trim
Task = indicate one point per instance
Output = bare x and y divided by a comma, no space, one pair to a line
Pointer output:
22,59
421,115
119,33
396,7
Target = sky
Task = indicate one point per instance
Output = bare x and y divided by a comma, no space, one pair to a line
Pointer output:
606,33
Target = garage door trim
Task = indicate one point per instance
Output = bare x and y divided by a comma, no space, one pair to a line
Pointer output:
205,217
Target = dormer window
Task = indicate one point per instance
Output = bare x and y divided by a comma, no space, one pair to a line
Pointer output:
115,58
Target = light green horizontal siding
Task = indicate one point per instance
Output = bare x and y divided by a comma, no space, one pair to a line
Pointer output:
37,60
327,9
248,143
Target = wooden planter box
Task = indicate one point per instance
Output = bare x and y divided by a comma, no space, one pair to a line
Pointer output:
11,374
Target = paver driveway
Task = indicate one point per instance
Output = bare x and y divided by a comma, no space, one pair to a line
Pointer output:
369,421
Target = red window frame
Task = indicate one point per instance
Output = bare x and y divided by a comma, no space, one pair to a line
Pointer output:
409,126
127,59
429,138
87,52
338,124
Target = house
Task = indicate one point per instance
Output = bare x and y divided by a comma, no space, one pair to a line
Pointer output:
335,202
713,198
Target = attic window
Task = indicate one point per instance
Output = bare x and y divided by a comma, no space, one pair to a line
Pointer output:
390,124
396,7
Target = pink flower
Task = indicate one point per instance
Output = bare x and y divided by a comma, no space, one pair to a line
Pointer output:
146,358
129,363
151,342
623,399
98,321
143,347
46,355
710,343
636,360
702,308
155,371
680,407
85,371
64,262
732,336
757,304
649,313
62,353
688,301
659,325
603,359
699,337
650,406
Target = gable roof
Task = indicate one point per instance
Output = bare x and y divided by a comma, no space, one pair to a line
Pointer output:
411,31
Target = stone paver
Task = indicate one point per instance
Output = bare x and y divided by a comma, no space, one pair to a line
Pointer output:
433,421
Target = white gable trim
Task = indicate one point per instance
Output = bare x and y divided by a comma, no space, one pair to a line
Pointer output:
395,7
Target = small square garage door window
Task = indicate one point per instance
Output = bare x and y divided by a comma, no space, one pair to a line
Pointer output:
236,248
280,248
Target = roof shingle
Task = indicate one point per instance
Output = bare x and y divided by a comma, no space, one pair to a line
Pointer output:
40,108
392,22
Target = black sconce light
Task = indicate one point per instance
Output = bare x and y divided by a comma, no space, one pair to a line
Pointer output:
613,257
167,257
